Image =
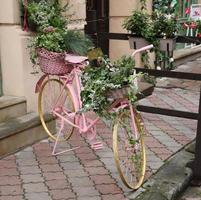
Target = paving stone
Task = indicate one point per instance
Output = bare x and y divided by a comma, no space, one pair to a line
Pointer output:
80,181
11,190
67,158
16,197
35,187
10,180
29,170
32,178
89,156
89,198
76,173
62,194
24,155
96,170
108,189
71,166
51,168
57,184
7,164
8,172
86,191
102,179
54,176
27,162
92,163
47,160
38,196
113,196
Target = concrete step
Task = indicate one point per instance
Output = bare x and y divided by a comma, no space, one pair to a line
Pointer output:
11,107
20,132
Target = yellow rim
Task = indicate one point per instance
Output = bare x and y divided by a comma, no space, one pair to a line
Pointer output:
40,110
116,153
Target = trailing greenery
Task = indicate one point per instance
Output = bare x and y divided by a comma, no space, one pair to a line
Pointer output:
45,13
98,80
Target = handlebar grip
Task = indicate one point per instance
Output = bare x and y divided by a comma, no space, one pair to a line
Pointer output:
143,49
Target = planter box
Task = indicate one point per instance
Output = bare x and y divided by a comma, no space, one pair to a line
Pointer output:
168,44
137,42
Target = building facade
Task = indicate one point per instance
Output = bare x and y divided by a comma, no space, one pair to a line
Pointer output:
16,68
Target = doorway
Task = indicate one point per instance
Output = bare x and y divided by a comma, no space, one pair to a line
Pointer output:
97,17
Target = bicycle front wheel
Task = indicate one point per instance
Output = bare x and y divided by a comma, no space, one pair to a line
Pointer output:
55,96
129,148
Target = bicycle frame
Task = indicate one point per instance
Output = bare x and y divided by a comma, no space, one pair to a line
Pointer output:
83,123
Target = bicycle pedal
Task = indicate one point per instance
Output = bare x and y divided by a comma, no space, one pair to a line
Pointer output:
97,145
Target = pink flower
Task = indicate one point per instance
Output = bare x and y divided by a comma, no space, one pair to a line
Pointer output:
193,25
187,11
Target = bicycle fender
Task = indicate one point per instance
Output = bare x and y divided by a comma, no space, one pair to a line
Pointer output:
39,83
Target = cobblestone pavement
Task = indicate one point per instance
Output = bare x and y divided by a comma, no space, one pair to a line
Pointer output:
85,174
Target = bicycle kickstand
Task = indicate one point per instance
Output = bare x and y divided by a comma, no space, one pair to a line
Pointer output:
54,153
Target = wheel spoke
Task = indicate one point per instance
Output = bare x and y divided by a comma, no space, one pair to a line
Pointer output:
129,150
54,97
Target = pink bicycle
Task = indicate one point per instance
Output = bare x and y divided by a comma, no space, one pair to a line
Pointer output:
59,99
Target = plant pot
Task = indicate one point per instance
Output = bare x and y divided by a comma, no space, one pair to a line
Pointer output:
53,63
119,93
137,42
168,44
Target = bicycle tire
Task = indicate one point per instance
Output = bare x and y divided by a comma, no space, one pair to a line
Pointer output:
48,93
132,168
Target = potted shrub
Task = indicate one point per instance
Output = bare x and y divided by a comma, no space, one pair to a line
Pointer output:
141,26
165,28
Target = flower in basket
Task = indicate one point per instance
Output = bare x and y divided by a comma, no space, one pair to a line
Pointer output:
101,82
53,39
48,48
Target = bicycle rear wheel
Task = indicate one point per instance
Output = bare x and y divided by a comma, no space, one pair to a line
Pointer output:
129,148
55,96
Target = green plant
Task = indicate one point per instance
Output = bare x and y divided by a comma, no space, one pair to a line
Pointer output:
60,40
167,7
140,24
47,13
98,80
151,28
44,13
165,25
76,42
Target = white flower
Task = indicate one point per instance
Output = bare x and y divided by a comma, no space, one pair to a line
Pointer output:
171,60
158,68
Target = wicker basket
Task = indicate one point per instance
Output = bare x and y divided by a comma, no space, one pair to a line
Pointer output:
118,93
52,63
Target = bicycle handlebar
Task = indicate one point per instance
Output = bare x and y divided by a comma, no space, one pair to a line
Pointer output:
142,49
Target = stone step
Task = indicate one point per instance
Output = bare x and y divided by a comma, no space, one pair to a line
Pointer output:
20,132
11,107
